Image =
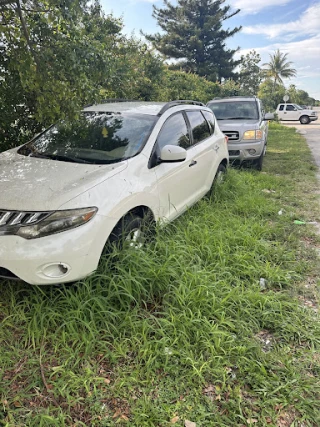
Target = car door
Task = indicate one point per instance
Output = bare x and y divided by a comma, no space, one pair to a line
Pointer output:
180,184
205,150
291,112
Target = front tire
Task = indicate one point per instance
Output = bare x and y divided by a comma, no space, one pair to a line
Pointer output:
257,164
129,232
304,120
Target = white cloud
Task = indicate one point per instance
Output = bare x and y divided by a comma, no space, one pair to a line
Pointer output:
252,7
307,24
305,55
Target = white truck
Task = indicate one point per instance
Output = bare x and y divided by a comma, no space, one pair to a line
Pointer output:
293,112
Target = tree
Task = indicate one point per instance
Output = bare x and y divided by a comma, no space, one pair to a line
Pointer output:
59,50
231,88
299,96
194,34
54,58
278,68
250,75
181,85
271,94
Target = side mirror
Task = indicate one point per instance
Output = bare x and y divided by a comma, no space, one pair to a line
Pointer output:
269,116
173,153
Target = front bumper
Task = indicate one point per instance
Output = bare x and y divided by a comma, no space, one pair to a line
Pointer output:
242,151
313,118
59,258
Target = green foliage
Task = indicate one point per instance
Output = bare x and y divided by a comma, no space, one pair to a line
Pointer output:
55,58
136,72
250,75
17,108
193,33
271,94
231,88
181,85
299,96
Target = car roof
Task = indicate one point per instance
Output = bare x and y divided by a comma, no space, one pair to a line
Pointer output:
234,99
141,107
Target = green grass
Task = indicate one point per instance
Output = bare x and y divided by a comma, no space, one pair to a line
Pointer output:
182,330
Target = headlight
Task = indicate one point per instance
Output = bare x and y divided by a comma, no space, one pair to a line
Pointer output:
253,134
56,222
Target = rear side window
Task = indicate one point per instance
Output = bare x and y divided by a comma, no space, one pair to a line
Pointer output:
199,126
210,119
290,108
174,132
281,107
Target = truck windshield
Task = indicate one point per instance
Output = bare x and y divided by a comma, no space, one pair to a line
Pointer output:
235,110
98,138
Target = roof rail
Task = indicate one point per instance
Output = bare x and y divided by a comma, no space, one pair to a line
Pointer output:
171,104
111,100
241,96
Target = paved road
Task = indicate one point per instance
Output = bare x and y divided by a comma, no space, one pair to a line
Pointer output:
312,134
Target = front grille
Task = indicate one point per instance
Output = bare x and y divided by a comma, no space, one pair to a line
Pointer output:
232,135
18,218
6,274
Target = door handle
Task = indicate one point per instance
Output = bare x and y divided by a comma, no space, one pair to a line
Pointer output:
192,163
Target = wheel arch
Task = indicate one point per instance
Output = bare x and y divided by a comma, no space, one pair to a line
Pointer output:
224,162
142,211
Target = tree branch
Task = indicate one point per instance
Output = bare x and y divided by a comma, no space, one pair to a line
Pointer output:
6,2
26,33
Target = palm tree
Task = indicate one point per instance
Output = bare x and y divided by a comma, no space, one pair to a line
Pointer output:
278,67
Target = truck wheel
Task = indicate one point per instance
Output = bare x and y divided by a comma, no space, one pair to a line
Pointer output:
304,120
257,163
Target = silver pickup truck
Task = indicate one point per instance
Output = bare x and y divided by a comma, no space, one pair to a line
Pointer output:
243,120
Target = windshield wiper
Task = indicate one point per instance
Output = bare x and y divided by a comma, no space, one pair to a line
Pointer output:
60,157
57,157
239,118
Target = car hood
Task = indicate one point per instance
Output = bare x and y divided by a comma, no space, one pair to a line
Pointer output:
239,125
34,184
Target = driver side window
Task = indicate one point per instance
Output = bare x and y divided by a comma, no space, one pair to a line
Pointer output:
290,108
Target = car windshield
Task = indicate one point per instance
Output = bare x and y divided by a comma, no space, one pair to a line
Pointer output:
97,138
235,110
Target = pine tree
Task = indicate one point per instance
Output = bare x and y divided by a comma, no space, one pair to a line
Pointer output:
194,34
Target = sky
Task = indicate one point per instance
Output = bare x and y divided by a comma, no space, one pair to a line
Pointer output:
293,26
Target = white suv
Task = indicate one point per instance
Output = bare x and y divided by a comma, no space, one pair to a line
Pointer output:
82,184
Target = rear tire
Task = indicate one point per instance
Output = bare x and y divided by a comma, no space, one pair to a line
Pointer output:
304,120
218,179
220,174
